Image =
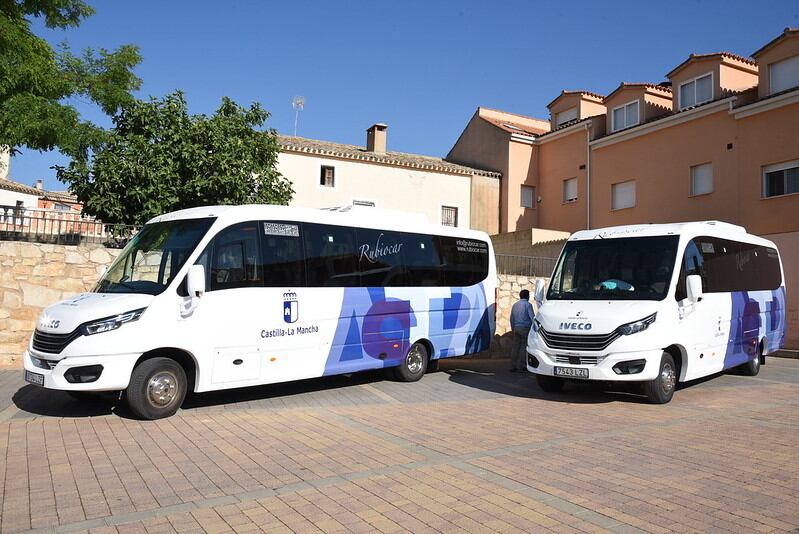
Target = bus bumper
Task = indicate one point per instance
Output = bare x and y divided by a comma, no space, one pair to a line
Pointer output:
80,373
639,366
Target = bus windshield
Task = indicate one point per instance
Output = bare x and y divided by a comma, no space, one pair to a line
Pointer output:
153,257
630,268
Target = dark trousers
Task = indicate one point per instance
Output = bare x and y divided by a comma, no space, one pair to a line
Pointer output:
518,355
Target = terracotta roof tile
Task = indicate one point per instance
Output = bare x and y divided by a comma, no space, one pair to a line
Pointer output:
10,185
730,55
566,93
397,159
785,33
653,86
514,127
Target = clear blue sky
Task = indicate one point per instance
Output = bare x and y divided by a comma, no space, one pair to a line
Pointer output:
422,67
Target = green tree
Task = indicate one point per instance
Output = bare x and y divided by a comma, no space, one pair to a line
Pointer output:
158,158
36,82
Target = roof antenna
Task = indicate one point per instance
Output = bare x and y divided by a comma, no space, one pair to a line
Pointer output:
298,103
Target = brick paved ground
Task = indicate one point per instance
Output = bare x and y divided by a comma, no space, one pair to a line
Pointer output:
472,448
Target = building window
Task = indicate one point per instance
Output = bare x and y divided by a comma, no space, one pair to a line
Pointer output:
781,179
622,195
328,176
696,91
449,216
528,196
625,116
783,75
570,190
565,116
701,179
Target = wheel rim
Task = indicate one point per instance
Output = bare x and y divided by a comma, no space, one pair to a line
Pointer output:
667,378
162,389
415,359
756,362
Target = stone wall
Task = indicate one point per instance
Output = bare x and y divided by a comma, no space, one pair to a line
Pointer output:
34,276
508,287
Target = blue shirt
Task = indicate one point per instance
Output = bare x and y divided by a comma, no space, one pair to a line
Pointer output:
521,314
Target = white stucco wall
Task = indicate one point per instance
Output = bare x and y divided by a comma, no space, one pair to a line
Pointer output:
395,188
9,198
5,162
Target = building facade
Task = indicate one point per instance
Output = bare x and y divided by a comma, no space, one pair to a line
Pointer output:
714,141
326,174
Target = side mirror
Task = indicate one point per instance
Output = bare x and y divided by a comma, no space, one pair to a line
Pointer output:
195,282
540,287
694,287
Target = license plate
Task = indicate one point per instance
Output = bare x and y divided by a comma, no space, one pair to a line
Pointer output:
574,372
34,378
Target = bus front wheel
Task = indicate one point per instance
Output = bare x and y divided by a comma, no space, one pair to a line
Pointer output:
661,389
157,388
414,364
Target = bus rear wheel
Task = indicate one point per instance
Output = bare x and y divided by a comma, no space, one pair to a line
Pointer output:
414,364
752,367
157,388
661,389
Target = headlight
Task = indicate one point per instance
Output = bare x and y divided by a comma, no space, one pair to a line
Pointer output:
111,323
637,326
536,325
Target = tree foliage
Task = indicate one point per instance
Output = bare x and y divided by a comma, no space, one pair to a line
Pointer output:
37,81
158,158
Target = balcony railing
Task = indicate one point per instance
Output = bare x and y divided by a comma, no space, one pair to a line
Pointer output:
525,265
63,227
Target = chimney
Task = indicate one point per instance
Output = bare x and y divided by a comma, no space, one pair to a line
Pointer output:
376,138
39,185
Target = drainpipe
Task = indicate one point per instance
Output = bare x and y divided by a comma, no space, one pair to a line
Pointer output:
588,175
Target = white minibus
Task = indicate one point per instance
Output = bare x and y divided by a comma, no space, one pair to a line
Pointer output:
658,304
223,297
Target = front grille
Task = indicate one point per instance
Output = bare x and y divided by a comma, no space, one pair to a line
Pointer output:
578,360
53,343
578,342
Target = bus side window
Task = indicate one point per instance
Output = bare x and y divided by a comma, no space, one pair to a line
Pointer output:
422,260
330,256
464,261
282,255
380,258
692,264
235,259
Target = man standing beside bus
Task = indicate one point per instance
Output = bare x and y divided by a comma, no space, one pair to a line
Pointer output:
521,320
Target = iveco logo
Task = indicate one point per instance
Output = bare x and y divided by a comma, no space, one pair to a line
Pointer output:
55,323
576,326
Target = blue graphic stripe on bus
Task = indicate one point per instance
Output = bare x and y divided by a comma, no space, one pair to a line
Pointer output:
375,330
754,316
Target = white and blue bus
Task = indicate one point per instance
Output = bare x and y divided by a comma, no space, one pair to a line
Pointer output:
222,297
658,304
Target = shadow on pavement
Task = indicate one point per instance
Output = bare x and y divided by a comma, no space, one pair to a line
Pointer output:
495,376
285,389
48,402
38,401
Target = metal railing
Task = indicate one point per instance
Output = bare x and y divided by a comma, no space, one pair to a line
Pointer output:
525,265
18,223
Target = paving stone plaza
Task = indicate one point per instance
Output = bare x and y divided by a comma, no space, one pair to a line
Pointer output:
471,448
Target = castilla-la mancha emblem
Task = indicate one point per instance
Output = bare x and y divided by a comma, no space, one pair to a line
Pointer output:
290,304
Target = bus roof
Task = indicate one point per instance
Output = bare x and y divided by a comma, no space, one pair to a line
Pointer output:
691,229
357,216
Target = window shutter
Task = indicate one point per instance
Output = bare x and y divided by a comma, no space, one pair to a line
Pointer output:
702,179
623,195
784,75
